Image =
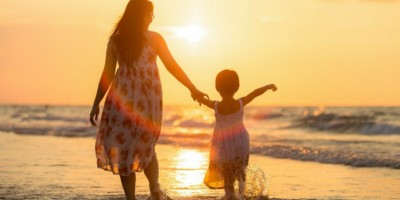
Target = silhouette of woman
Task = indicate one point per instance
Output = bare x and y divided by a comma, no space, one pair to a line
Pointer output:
131,118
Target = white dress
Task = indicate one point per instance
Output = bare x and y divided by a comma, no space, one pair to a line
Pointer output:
229,150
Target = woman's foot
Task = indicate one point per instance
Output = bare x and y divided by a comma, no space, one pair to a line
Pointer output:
158,195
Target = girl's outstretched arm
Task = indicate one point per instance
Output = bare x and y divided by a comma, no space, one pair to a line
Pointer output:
173,67
257,92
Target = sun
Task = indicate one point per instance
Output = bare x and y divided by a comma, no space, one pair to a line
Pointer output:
192,33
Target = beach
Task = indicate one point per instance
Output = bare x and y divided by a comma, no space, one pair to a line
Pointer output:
312,83
48,167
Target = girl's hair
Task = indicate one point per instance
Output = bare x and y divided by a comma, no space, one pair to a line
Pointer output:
227,82
128,33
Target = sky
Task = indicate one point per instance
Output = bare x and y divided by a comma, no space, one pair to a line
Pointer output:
317,52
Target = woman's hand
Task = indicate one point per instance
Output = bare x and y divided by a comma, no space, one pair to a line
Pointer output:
94,114
197,94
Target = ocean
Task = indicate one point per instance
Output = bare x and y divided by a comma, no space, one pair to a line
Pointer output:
47,152
355,136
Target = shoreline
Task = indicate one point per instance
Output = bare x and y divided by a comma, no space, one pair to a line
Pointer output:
36,167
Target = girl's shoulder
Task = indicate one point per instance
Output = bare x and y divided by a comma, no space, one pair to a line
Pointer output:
228,108
237,102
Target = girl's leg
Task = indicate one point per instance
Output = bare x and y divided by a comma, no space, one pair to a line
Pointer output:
242,181
228,185
128,183
151,173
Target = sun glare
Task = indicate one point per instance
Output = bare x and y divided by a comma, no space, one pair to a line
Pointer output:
191,167
191,33
191,159
185,171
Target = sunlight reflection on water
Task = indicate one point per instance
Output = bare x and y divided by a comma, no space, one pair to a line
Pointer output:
190,166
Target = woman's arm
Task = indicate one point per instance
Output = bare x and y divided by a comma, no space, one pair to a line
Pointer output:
105,80
257,92
173,67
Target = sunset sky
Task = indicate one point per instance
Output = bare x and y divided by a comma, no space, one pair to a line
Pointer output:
318,52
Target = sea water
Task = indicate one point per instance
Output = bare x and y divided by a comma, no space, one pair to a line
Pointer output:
358,137
355,136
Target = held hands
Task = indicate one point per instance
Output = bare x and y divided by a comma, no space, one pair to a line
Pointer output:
94,114
197,95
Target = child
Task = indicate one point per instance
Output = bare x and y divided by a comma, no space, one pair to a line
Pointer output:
229,151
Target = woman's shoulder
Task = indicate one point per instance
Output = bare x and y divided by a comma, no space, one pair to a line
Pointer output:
112,44
155,36
112,39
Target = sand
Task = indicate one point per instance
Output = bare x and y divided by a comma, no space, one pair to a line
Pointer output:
47,167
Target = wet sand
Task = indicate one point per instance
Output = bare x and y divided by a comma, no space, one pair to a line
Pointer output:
46,167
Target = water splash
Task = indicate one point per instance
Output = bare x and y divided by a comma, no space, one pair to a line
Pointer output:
256,186
257,183
163,195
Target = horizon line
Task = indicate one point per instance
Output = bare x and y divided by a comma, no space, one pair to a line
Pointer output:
195,104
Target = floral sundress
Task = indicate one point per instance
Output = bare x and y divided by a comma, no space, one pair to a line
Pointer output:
131,118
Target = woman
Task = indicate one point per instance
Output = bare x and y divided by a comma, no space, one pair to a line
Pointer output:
131,118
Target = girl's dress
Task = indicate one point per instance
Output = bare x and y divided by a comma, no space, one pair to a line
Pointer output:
131,119
229,150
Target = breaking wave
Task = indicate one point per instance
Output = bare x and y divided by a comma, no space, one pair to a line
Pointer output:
363,124
325,156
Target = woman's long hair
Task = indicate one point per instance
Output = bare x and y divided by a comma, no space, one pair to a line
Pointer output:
128,33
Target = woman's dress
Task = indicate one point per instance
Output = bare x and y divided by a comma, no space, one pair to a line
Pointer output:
131,118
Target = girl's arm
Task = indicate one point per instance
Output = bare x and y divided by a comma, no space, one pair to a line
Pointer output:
105,80
247,99
173,67
206,102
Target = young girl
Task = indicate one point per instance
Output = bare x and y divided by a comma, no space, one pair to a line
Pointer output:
229,151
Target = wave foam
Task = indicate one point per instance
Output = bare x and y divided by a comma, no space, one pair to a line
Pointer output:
66,131
346,124
325,156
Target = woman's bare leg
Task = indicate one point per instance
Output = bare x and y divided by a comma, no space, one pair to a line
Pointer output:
151,173
128,183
